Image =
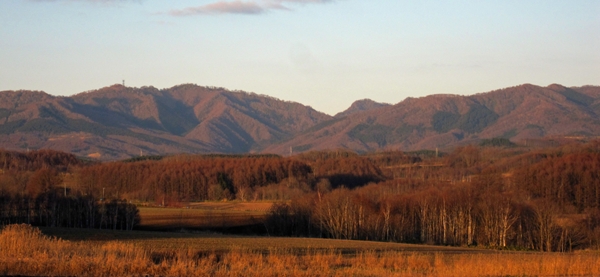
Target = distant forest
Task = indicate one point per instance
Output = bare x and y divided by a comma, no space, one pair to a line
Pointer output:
495,195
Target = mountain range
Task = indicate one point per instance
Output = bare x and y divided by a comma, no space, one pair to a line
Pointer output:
118,122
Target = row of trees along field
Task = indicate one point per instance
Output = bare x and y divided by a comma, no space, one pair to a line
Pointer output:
510,197
37,188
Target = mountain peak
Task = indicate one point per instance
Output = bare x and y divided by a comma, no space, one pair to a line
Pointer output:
360,106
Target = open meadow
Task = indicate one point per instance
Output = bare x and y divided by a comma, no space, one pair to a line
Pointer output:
204,215
209,242
58,252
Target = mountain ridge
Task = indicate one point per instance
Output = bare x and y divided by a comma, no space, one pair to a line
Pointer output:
517,113
185,118
117,122
361,106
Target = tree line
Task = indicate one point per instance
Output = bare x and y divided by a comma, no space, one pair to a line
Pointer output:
52,209
459,215
201,178
545,199
33,190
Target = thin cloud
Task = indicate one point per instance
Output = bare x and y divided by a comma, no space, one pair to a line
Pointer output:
242,7
90,1
305,1
235,7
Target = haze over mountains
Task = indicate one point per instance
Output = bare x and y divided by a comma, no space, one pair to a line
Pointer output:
119,122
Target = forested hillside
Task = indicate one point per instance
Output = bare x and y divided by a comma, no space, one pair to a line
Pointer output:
491,195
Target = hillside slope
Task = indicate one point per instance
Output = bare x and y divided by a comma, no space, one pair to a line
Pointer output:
517,113
119,122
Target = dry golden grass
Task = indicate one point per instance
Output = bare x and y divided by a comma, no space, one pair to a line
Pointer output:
26,251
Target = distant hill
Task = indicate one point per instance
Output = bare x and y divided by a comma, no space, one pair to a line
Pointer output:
120,122
516,113
361,106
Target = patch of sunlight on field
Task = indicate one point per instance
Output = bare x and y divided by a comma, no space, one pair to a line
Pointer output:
204,215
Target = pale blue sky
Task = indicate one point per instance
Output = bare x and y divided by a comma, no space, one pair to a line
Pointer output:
321,53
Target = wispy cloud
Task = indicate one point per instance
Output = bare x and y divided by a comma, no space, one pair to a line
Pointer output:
90,1
236,7
242,7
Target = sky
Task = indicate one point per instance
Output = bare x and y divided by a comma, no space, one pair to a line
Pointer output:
322,53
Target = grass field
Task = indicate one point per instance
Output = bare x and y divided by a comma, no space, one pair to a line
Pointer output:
25,251
204,215
215,242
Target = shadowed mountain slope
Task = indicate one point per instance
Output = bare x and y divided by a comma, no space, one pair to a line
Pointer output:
119,122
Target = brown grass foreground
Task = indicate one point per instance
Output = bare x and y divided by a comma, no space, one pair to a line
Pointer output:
24,250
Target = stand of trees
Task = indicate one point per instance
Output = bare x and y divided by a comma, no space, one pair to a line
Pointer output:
460,215
33,190
184,179
545,199
34,160
52,209
201,178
